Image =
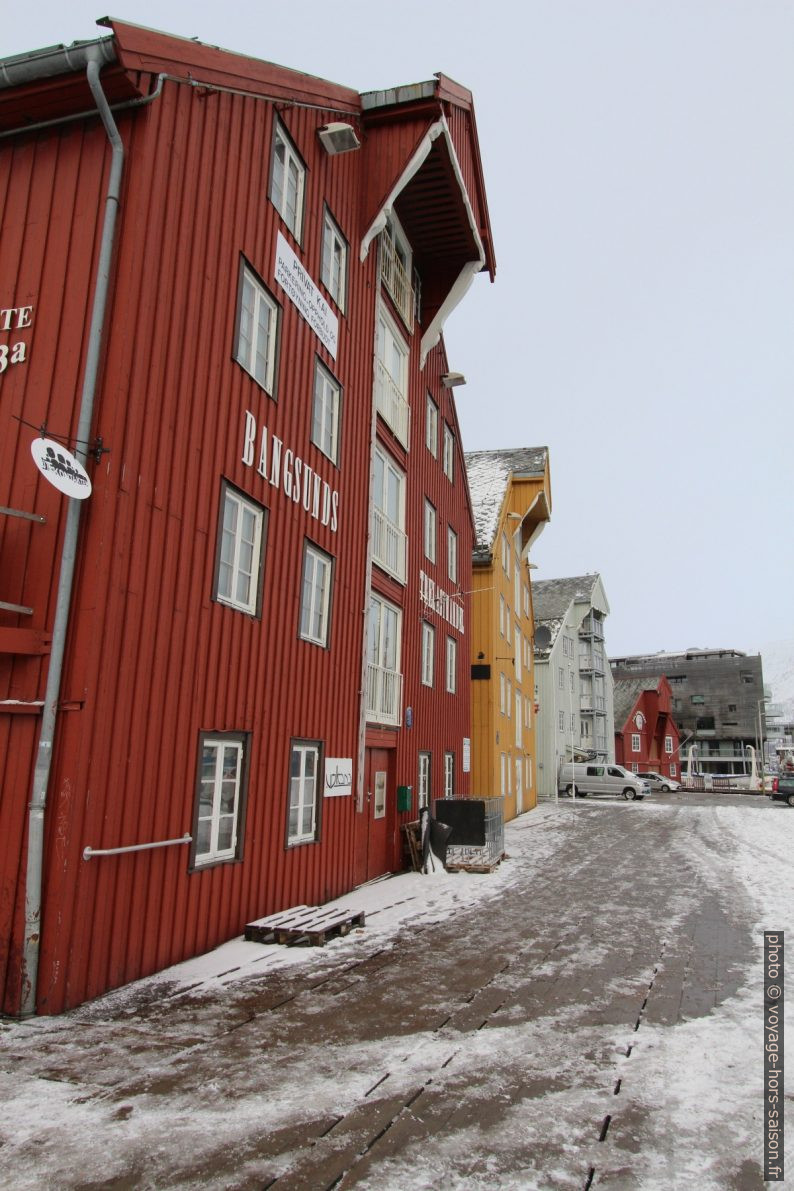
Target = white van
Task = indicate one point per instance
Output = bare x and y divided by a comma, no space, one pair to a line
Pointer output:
601,778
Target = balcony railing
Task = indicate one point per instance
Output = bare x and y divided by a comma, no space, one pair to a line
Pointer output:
594,704
384,695
388,545
397,281
591,663
390,402
592,627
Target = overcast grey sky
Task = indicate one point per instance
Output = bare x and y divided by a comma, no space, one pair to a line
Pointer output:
639,163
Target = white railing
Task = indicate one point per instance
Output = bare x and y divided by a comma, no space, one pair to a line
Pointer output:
384,695
391,403
389,545
397,281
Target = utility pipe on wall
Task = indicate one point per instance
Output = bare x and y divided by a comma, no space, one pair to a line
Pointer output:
94,59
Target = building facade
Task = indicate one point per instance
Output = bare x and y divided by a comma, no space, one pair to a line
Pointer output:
511,498
228,283
717,701
574,685
646,734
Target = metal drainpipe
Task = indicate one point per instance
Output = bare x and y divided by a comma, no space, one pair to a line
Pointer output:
38,802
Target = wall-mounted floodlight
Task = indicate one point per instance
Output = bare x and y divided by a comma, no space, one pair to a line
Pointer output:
338,138
451,380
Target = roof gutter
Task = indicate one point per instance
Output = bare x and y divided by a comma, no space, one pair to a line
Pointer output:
92,56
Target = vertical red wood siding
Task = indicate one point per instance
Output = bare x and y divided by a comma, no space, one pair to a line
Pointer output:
152,661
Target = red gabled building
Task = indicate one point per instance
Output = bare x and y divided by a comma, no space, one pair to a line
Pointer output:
225,287
646,735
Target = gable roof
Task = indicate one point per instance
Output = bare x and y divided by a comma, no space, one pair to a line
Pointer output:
489,474
626,693
552,598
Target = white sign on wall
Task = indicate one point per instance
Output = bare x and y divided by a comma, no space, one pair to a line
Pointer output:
303,293
61,468
338,776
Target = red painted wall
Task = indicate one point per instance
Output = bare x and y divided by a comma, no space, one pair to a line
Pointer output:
656,709
152,660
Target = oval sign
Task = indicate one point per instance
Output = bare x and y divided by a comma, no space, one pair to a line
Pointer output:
61,468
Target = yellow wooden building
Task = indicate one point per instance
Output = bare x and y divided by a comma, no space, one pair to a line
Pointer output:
511,500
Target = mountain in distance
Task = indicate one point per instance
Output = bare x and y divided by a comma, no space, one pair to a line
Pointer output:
777,660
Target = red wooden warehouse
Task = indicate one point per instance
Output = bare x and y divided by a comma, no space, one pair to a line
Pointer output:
646,735
232,671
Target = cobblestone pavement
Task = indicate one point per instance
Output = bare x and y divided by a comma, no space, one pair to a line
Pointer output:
502,1045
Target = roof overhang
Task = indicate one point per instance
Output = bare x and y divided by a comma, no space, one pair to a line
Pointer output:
433,205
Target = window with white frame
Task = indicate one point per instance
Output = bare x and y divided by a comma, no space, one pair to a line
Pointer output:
384,680
430,531
315,595
389,540
452,665
423,783
635,767
561,678
635,742
501,616
256,332
287,180
572,724
304,787
570,676
503,767
452,554
391,377
431,426
449,453
519,718
526,600
220,796
509,699
428,653
325,411
518,651
502,692
396,268
238,575
505,554
673,769
333,267
668,744
508,624
528,771
561,720
449,775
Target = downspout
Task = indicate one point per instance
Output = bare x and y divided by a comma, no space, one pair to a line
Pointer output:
41,777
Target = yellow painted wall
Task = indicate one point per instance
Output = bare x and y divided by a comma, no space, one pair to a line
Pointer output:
494,591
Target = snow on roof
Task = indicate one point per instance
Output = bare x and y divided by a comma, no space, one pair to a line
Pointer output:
627,692
489,473
551,598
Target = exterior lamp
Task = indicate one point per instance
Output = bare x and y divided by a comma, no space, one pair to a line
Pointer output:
450,380
338,138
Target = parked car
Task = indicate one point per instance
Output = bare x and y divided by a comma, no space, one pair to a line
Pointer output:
657,781
600,778
783,788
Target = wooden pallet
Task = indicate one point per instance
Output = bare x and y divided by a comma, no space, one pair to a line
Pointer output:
316,924
473,866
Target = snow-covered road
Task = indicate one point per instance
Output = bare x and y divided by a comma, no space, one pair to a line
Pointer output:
588,1015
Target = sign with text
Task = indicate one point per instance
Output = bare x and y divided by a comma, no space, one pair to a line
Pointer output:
303,293
61,468
338,776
